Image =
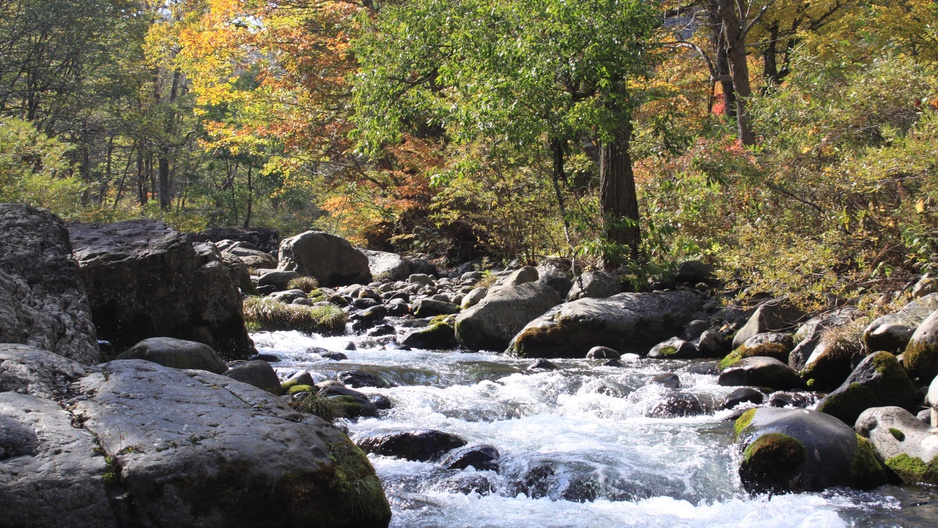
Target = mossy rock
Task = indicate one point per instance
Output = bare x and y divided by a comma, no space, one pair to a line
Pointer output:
296,389
772,463
878,381
921,360
913,470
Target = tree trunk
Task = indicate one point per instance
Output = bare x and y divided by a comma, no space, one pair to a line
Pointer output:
736,52
250,204
722,65
617,196
770,57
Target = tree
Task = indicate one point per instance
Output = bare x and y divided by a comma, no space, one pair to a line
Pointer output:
525,73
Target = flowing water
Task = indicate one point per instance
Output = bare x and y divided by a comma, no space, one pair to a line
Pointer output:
576,448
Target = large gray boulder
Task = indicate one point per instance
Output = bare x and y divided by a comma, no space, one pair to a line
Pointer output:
331,259
500,315
144,279
776,315
797,450
627,322
760,371
387,266
43,302
598,284
146,445
176,353
892,332
908,446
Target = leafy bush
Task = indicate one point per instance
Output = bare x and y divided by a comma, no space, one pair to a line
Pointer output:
264,313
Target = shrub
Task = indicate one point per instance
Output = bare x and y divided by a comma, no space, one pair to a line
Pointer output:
264,313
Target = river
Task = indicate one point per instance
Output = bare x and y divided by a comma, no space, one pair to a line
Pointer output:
576,448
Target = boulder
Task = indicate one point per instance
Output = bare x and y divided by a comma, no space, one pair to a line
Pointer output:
833,359
520,276
742,395
256,373
278,279
595,284
331,259
693,272
29,370
252,258
878,381
768,344
351,403
264,239
147,445
496,319
437,336
43,302
359,378
678,405
386,266
176,353
711,344
674,348
419,446
921,354
908,446
145,280
926,285
760,371
480,457
892,332
797,450
627,322
777,315
433,308
601,352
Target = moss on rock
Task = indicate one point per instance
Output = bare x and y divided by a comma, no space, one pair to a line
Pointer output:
743,422
921,360
772,463
866,471
913,470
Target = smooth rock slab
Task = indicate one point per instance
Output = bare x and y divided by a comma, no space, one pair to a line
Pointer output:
192,448
29,370
177,353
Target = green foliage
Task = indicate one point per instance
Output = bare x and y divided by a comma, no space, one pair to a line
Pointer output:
34,169
306,283
264,313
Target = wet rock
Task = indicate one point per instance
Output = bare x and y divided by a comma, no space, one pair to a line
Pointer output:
669,380
421,446
878,381
350,402
480,457
776,315
301,378
921,354
594,284
333,356
907,446
436,336
601,352
331,259
256,373
678,405
360,378
382,330
628,322
892,332
496,319
742,395
433,308
674,348
781,399
146,280
468,484
797,450
542,364
711,344
43,302
177,353
381,402
760,371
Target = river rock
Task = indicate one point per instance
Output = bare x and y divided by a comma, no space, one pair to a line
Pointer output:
674,348
386,266
678,405
797,450
760,371
257,374
926,285
776,315
145,280
833,359
693,272
601,352
493,322
420,446
892,332
473,298
43,302
331,259
595,284
742,395
520,276
627,322
878,381
351,403
252,258
908,446
147,445
278,279
176,353
921,354
767,344
263,239
433,307
480,457
436,336
359,378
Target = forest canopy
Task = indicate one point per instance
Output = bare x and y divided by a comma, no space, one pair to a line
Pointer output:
789,143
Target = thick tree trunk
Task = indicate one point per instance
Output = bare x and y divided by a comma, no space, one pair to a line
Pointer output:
736,52
722,63
617,195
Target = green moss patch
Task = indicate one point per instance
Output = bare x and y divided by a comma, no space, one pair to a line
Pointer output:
912,470
295,389
866,471
772,463
743,422
921,360
897,434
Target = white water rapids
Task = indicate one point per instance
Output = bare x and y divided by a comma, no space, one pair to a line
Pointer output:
579,431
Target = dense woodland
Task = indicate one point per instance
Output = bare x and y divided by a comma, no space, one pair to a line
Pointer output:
793,144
